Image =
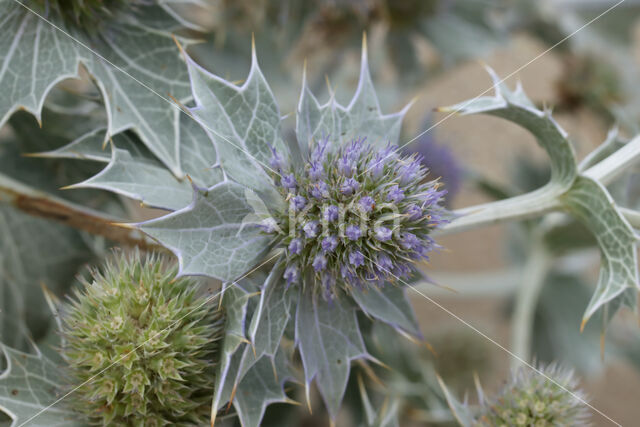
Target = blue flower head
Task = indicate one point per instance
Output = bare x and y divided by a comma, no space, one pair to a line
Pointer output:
358,216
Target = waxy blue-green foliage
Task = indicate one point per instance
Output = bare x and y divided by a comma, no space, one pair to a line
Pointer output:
226,145
218,235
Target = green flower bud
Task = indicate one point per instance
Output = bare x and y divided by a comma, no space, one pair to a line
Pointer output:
144,343
531,399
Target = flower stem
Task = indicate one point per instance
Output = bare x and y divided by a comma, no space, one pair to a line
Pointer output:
38,203
533,278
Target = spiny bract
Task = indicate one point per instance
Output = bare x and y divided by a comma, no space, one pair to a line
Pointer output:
531,399
148,339
356,216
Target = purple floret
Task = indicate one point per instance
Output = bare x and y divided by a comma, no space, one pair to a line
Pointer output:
297,203
319,262
413,212
289,181
292,274
349,187
330,213
320,190
384,263
356,258
409,241
353,232
366,203
409,172
316,171
329,243
295,246
311,229
395,194
382,233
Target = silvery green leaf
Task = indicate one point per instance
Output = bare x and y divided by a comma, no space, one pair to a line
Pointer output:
234,301
135,172
35,55
459,410
361,118
590,202
271,315
242,121
262,385
29,385
211,236
515,106
390,305
385,416
328,337
91,146
147,181
33,251
612,143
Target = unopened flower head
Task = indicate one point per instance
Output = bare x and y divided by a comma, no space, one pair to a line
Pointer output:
531,399
357,215
144,344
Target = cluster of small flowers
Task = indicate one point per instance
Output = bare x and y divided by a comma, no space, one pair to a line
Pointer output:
531,399
141,345
356,216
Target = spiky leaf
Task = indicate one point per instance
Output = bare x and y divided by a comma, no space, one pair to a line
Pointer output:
589,201
390,305
271,315
29,389
361,118
328,338
210,236
262,385
242,121
135,65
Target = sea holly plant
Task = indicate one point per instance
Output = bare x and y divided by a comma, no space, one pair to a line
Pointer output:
313,235
338,217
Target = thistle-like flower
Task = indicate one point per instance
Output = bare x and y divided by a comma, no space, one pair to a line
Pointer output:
531,399
141,345
356,216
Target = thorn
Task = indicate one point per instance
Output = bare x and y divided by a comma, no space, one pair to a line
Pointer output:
69,187
444,110
38,155
429,347
364,46
123,225
329,88
233,395
253,47
291,401
182,51
584,322
304,72
180,104
273,366
308,397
